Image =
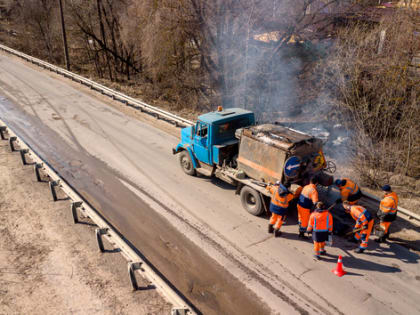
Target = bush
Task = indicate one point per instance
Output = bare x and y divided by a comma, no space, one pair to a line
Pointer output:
374,92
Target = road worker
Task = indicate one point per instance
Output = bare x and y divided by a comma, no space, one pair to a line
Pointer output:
280,198
363,226
321,225
307,200
349,191
387,212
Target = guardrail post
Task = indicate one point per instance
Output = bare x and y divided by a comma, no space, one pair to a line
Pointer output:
99,232
54,184
2,130
11,141
22,155
132,267
179,311
74,206
37,166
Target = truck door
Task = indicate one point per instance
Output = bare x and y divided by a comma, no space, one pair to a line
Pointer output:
200,143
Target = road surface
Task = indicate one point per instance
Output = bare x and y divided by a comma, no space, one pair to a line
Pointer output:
194,229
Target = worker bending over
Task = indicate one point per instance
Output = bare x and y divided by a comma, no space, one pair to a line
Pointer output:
363,226
307,200
321,225
349,191
280,198
387,212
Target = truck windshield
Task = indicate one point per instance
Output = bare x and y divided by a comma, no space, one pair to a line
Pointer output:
227,129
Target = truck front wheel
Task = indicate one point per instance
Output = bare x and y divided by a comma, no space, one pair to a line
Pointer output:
186,163
251,201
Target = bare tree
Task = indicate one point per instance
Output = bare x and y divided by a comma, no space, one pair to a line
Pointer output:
376,94
40,23
100,24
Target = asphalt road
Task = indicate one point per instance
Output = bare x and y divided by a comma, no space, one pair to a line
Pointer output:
193,228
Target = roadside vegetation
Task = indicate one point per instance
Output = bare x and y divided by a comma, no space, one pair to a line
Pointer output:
309,58
372,83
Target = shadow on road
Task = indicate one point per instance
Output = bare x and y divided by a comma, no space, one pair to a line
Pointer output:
358,262
394,251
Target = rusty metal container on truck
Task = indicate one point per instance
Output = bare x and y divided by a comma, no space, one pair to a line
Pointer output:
265,150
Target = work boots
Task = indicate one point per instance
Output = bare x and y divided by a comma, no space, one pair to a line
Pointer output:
277,233
302,235
359,250
270,228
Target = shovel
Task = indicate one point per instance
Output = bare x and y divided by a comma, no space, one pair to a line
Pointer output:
354,231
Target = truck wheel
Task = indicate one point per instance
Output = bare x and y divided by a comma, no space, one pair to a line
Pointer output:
186,163
251,201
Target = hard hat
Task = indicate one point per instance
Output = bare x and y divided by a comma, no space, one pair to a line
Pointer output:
386,188
219,108
338,182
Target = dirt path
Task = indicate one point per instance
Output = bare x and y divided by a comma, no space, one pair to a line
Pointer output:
49,265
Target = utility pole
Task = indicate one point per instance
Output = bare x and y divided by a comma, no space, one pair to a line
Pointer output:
63,29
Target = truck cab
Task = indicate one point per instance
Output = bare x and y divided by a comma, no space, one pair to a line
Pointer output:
212,141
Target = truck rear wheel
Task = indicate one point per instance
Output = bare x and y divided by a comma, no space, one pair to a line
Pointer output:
251,201
186,163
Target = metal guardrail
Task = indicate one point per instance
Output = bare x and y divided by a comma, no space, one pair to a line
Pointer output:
104,229
142,106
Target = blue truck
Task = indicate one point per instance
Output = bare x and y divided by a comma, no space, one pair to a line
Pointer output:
229,145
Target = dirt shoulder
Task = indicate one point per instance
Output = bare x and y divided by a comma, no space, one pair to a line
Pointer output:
49,265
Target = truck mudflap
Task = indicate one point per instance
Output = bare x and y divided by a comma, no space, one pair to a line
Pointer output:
180,148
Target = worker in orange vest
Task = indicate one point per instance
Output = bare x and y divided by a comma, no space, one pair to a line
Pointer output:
387,212
307,200
364,223
321,225
349,191
280,198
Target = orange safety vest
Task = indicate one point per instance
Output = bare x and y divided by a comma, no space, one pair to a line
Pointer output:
360,215
308,196
276,199
390,203
350,188
320,222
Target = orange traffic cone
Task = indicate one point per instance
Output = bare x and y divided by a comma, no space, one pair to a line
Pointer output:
339,269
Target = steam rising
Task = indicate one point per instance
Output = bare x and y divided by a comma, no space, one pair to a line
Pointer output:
265,72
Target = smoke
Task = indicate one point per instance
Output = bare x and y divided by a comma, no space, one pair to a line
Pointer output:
265,69
257,74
